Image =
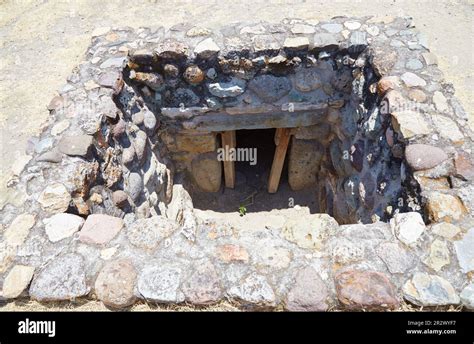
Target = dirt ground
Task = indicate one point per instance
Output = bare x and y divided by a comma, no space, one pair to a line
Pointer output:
41,41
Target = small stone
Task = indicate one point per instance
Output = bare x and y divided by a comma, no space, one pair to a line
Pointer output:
17,281
99,229
308,293
307,80
59,127
206,49
53,156
171,71
446,230
410,123
128,155
429,290
417,95
383,61
325,42
447,128
193,75
373,30
430,59
413,80
232,253
253,30
396,258
309,231
408,227
232,88
153,80
414,64
119,198
55,103
203,287
365,290
18,230
134,185
115,284
352,25
211,73
443,207
63,278
438,256
119,128
149,120
296,43
465,251
332,27
198,31
160,283
172,49
464,166
423,157
62,226
467,296
90,85
302,29
254,290
148,233
270,88
55,198
139,143
387,83
440,102
75,145
357,41
113,62
109,79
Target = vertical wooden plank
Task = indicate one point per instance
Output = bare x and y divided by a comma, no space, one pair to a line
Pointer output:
282,136
228,142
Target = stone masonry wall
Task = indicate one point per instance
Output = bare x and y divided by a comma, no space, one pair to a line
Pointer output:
104,219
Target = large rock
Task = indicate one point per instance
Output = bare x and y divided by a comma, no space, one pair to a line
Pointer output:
397,259
17,281
148,233
310,230
413,80
63,278
254,290
270,88
408,227
439,255
444,207
423,157
410,123
115,283
62,226
465,251
203,286
429,290
75,145
18,230
303,165
99,229
160,283
307,80
207,172
365,290
308,293
55,198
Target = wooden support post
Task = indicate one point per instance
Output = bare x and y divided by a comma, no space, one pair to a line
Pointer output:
282,137
228,142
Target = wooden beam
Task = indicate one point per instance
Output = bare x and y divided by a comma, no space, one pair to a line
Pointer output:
228,142
282,136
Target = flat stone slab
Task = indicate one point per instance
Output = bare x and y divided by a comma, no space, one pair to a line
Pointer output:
99,229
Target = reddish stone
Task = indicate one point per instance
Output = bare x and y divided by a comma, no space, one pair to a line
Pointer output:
365,290
464,166
423,157
231,253
100,229
115,284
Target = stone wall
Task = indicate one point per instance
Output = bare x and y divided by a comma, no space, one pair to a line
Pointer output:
104,217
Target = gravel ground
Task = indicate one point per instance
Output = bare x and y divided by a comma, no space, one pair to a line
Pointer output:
41,41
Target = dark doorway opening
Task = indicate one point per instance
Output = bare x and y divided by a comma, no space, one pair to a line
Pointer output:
251,180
